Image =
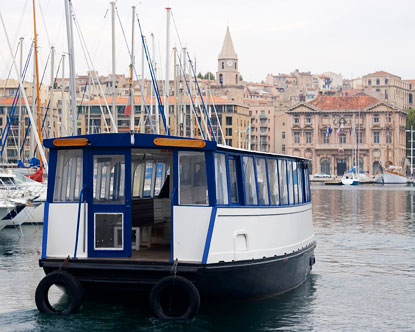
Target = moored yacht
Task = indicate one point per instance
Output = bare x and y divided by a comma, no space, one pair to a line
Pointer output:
391,175
350,178
151,213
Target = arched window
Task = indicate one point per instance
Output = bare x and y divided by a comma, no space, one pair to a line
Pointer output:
369,82
236,79
386,81
220,78
361,164
223,65
410,98
325,166
236,66
377,81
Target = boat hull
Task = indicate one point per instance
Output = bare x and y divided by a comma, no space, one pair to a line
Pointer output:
390,178
233,280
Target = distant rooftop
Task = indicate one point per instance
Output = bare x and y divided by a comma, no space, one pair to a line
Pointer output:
343,103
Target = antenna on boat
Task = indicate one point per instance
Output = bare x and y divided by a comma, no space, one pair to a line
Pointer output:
150,66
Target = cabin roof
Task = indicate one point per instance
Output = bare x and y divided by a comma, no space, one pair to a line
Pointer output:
123,140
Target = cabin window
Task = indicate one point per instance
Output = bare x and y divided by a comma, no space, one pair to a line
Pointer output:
273,182
250,184
233,181
221,180
283,181
149,175
290,182
108,231
68,182
295,182
192,178
300,183
307,185
109,179
262,181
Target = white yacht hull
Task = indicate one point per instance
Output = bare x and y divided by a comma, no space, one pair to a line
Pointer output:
350,179
390,178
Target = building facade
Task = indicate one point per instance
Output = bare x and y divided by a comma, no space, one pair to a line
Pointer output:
337,133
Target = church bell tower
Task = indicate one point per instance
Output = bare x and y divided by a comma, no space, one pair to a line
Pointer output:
227,73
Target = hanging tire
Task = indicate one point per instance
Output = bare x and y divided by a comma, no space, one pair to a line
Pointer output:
174,298
69,283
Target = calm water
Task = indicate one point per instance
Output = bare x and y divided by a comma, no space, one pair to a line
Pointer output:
364,278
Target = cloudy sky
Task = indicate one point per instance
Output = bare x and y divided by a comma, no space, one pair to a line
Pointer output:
352,37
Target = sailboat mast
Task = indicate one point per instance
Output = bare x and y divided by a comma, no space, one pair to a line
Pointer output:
20,98
64,122
52,69
166,82
114,110
72,90
132,112
39,116
142,127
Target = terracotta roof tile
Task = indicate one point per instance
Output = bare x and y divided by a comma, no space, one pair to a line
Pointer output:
380,73
343,103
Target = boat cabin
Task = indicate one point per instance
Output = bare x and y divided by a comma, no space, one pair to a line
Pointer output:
161,198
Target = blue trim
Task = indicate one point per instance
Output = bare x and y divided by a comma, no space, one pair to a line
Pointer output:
81,194
53,158
45,229
209,235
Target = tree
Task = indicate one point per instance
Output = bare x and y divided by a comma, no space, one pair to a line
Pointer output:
241,78
410,119
209,76
200,75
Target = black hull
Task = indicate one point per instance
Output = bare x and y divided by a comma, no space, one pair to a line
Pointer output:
234,280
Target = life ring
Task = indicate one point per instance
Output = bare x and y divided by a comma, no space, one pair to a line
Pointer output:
174,298
65,280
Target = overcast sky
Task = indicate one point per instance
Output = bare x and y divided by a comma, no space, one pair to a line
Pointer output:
352,37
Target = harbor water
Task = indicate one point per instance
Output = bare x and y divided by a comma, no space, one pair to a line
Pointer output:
363,279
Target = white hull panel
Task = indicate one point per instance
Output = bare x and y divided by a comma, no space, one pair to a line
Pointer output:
390,178
241,233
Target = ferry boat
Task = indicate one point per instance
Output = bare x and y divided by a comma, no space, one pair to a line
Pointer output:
161,215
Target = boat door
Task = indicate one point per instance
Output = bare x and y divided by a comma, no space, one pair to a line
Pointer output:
109,215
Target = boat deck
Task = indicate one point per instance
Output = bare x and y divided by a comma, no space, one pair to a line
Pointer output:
152,254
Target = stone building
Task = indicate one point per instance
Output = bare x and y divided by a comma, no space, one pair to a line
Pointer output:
330,129
390,88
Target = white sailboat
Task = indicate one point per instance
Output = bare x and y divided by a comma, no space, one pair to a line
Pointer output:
391,174
351,177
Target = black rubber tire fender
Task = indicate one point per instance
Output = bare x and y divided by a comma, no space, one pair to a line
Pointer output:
71,285
171,281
